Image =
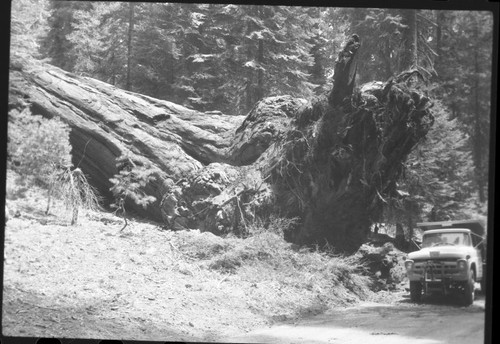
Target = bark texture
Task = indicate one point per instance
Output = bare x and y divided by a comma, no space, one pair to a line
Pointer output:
328,162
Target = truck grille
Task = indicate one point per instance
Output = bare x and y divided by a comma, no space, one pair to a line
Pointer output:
436,268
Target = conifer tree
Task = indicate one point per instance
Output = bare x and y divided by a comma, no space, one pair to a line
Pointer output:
56,45
28,26
465,45
129,183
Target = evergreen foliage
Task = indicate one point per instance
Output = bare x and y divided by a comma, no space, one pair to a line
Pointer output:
205,56
466,47
99,42
37,146
389,45
40,152
436,178
56,45
27,26
129,182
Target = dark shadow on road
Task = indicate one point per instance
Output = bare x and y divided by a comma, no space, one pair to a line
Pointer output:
30,314
444,300
439,321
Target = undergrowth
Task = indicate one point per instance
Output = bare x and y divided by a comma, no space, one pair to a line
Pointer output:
288,281
36,146
72,187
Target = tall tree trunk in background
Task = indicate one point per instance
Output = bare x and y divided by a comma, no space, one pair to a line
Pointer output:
477,135
400,236
414,37
386,57
410,230
260,74
249,101
440,18
171,69
260,60
410,40
129,42
113,72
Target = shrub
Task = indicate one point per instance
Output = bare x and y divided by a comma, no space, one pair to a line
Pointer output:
73,188
37,146
129,183
40,152
288,281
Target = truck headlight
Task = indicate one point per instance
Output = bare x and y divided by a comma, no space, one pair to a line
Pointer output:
409,264
462,264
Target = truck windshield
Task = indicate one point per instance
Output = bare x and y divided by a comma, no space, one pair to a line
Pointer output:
441,239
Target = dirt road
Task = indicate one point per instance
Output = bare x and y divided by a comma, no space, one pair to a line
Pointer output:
398,322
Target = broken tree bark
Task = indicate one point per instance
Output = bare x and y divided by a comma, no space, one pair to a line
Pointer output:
329,162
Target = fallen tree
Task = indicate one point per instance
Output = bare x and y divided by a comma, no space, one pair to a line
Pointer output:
108,122
328,163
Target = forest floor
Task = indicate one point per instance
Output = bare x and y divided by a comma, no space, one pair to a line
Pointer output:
92,280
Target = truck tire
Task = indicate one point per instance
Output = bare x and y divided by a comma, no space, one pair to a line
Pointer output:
415,291
469,292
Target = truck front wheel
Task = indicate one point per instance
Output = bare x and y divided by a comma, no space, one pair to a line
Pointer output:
469,292
415,291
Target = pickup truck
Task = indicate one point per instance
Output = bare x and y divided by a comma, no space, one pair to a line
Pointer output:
450,260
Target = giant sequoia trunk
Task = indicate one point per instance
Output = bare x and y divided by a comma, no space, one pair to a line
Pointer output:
328,162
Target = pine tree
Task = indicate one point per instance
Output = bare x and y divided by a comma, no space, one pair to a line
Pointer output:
393,40
465,44
55,45
380,31
436,181
204,56
130,34
99,42
409,55
28,26
161,50
129,183
269,47
37,146
40,152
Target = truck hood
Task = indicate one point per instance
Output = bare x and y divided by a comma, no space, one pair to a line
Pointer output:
446,252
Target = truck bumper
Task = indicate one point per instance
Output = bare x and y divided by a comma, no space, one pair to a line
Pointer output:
439,284
458,277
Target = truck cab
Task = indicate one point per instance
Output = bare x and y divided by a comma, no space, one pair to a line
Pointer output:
450,260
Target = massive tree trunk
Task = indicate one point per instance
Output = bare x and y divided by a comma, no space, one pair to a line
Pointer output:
328,163
107,122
